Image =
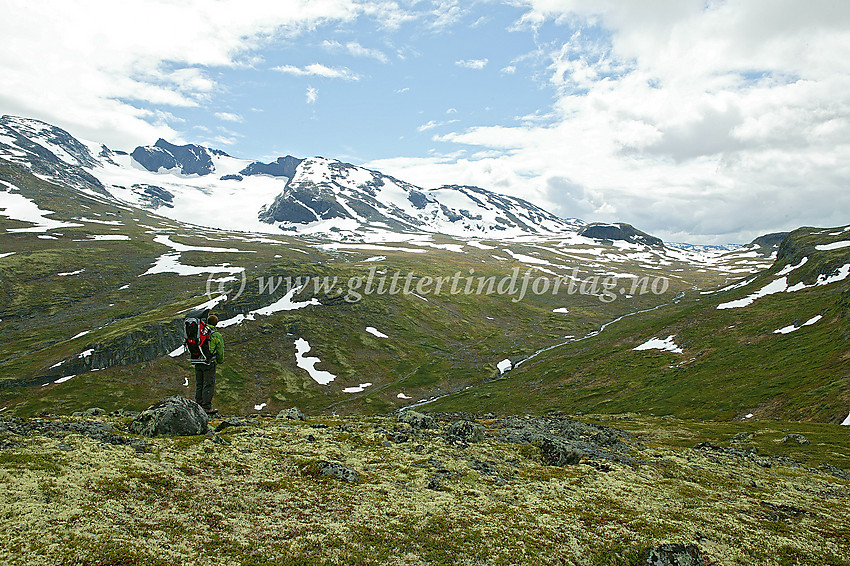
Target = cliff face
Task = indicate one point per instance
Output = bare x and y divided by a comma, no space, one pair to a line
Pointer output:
139,345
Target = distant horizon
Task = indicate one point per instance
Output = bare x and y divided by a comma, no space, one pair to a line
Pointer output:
705,122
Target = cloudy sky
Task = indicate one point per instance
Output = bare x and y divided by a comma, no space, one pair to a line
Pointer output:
703,121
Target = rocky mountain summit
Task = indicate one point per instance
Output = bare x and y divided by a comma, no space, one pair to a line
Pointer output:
305,196
421,488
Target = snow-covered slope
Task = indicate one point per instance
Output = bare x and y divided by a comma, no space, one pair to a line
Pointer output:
205,186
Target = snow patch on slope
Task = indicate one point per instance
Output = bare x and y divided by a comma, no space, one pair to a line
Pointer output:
667,345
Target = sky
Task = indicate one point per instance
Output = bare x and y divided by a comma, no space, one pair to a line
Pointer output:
702,121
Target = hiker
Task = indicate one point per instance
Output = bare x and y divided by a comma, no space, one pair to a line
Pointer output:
205,373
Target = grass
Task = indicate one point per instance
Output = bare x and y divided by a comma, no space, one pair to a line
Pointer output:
733,362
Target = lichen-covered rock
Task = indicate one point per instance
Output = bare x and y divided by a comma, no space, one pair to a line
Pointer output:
232,421
466,431
293,413
794,437
675,555
337,470
92,412
174,416
416,419
558,453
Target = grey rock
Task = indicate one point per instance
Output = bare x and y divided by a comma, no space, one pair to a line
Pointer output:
416,419
92,412
751,454
174,416
233,421
794,437
283,167
742,437
466,431
675,555
337,470
192,159
64,447
619,231
124,413
293,413
559,453
837,472
594,441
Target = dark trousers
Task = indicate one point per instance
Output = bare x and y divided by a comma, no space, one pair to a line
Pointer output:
204,384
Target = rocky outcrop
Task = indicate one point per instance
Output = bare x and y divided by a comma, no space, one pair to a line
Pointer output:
174,416
190,158
465,432
19,143
565,438
416,419
283,167
135,346
103,432
771,241
337,470
153,197
675,555
559,453
619,231
292,413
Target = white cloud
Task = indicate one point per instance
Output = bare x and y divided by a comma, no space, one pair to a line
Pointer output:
318,70
707,121
355,49
312,95
97,67
431,124
228,116
472,63
446,13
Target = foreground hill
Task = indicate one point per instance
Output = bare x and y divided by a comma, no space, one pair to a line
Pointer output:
446,489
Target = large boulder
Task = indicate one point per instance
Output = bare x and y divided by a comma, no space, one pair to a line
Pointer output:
292,413
675,555
465,431
175,416
337,470
559,453
416,419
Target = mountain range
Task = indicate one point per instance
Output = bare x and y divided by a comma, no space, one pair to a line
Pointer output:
102,250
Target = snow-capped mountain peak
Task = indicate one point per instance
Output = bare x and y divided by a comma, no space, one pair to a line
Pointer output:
200,185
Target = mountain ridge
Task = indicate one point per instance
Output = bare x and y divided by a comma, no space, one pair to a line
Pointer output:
302,195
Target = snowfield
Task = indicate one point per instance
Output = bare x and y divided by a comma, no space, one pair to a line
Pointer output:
667,345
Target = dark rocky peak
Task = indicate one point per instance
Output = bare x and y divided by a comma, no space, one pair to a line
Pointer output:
49,151
190,158
770,240
619,231
282,167
46,141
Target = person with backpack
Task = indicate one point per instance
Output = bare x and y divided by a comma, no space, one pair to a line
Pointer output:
205,372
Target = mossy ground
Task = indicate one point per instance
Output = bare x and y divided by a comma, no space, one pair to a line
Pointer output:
259,499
